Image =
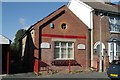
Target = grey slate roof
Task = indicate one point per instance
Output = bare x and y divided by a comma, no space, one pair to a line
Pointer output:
104,7
116,38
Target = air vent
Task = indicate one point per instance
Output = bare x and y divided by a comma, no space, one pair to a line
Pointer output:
51,25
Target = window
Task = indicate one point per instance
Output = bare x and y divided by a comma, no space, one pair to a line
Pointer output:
51,25
64,50
98,50
114,50
64,26
118,49
114,24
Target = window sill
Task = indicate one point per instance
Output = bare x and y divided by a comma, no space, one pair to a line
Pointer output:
115,32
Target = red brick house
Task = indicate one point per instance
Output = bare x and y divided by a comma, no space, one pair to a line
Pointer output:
71,36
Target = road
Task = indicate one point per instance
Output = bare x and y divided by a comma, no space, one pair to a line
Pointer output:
81,76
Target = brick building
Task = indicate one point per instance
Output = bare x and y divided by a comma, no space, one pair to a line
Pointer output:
75,34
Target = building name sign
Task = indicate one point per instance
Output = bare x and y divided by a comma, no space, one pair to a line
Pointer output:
81,46
45,45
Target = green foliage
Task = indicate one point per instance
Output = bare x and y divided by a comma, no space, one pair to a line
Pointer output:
18,35
15,47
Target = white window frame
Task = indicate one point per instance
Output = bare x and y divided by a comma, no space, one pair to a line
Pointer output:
103,46
115,55
66,47
114,24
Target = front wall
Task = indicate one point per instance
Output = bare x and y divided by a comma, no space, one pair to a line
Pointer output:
75,28
105,34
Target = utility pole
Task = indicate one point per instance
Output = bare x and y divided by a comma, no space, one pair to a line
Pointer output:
100,55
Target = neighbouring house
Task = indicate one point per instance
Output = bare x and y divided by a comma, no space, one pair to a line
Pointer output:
4,56
76,36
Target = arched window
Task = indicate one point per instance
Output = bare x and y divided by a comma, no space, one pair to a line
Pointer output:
97,48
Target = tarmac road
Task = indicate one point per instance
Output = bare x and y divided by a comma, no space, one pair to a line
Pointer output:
78,76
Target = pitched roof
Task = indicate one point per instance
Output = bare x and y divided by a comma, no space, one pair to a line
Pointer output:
114,39
104,7
4,40
45,19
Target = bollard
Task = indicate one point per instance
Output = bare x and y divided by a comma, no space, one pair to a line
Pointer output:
97,65
69,66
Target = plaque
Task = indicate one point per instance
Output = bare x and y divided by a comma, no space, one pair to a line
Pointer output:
45,45
81,46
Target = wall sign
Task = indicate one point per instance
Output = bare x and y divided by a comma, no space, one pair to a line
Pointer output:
81,46
45,45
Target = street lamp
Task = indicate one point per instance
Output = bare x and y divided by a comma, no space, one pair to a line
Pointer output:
100,58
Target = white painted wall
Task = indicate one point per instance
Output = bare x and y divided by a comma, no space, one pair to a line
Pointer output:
82,11
23,45
24,41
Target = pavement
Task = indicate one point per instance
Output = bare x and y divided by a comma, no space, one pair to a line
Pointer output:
82,75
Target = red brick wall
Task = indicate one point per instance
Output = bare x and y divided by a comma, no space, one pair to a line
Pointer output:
105,29
75,28
105,34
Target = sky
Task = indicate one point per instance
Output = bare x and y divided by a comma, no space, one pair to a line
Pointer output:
21,14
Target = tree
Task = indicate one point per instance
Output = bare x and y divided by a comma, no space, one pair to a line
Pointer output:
15,64
15,45
18,35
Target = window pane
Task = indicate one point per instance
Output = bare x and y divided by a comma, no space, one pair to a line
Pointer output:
111,47
118,47
70,53
118,54
114,24
111,55
63,53
63,44
98,49
69,44
56,53
56,43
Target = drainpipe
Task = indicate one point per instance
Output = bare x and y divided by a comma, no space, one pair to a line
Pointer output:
92,47
100,58
91,37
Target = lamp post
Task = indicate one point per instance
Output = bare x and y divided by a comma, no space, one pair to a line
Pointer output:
100,55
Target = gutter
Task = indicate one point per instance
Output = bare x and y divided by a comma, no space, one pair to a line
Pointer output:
108,12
